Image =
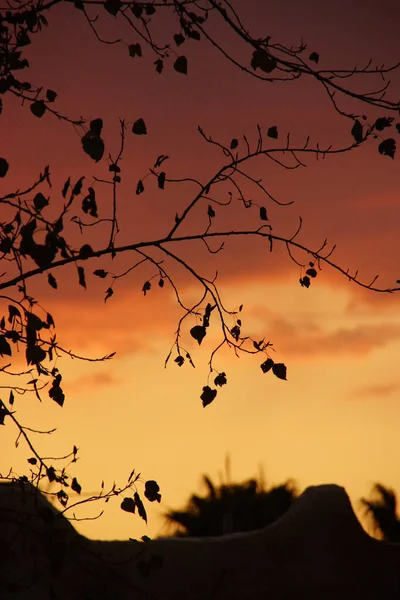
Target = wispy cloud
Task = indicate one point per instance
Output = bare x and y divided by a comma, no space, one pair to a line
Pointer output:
377,391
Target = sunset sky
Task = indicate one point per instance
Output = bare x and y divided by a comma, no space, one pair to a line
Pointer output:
337,418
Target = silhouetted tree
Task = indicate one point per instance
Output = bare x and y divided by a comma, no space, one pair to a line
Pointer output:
231,508
38,223
382,511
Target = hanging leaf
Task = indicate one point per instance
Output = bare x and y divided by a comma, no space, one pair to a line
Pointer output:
152,491
112,6
51,95
52,281
305,281
279,370
263,213
140,507
109,293
311,272
208,395
235,332
267,365
11,398
179,360
234,144
146,287
4,166
39,201
5,348
81,277
210,211
387,147
161,180
100,273
262,60
179,39
314,57
93,145
273,132
198,332
139,187
159,65
135,50
383,122
220,379
75,486
139,127
128,505
38,108
180,65
357,132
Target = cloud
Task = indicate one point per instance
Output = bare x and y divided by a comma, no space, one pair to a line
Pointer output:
90,382
306,337
377,391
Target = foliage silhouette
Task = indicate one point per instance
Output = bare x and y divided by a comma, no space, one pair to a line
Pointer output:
35,226
382,511
232,508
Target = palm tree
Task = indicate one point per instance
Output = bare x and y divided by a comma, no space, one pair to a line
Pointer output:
230,508
383,512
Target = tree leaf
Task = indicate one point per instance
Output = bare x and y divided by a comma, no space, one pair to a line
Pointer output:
179,39
263,61
279,370
208,395
93,145
180,65
305,281
38,108
135,50
4,166
52,281
387,147
109,293
81,277
139,127
220,379
112,6
311,272
273,132
263,213
128,505
139,187
159,65
152,491
146,287
100,273
383,122
314,57
140,506
75,486
5,348
357,131
40,201
51,95
198,332
234,144
210,211
267,365
161,180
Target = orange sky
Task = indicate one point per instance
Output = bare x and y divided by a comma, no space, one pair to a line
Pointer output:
336,419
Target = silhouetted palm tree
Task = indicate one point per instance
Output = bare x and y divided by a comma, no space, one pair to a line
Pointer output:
232,508
383,513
